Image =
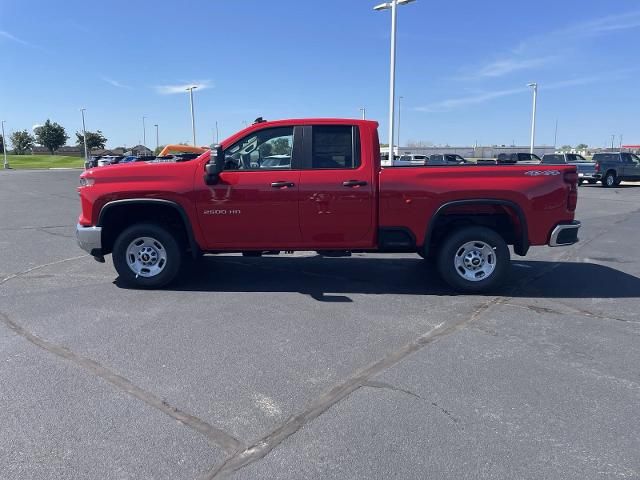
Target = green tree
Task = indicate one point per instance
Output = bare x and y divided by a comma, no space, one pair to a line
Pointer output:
158,149
582,146
94,140
51,135
22,142
565,148
281,146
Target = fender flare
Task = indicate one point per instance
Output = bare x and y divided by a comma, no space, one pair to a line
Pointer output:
195,249
520,247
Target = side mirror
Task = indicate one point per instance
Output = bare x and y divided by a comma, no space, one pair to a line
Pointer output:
215,166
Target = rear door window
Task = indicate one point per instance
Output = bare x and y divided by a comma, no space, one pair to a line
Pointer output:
335,147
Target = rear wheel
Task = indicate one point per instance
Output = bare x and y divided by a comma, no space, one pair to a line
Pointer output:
147,256
609,180
474,259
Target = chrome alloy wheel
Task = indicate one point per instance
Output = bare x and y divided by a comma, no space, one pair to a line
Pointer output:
475,261
146,257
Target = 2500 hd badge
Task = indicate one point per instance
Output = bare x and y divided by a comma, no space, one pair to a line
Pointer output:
222,212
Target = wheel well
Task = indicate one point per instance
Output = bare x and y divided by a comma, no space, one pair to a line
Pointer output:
503,219
115,219
611,170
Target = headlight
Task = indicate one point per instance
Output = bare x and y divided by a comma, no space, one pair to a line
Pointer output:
86,182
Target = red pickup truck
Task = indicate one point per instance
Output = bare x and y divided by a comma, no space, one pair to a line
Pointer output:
317,184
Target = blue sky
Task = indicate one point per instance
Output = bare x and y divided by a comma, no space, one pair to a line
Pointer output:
462,67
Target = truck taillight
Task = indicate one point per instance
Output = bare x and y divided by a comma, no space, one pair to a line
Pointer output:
571,178
597,167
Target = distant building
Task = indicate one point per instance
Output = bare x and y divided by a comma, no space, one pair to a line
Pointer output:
138,150
631,148
468,152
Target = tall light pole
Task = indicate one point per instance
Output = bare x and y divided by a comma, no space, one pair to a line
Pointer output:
4,146
555,136
157,137
84,136
364,113
613,137
533,114
217,133
144,132
400,98
193,119
393,5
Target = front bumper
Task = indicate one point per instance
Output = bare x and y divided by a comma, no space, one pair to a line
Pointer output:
90,239
565,234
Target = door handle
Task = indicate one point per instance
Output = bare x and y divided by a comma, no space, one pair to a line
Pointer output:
354,183
282,184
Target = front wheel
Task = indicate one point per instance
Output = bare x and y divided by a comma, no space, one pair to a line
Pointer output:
147,256
474,260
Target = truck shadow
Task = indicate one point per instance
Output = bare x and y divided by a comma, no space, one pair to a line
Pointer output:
332,279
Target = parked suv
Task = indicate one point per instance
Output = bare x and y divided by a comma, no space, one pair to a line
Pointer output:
520,157
614,167
586,169
446,159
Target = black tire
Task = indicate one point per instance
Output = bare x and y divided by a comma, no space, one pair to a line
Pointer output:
592,182
618,181
609,180
450,253
167,245
580,182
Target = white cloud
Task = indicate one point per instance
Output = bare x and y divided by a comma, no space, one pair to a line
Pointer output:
13,38
453,103
509,65
181,88
114,83
543,50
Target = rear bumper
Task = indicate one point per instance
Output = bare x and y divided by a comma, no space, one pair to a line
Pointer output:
90,239
565,234
588,176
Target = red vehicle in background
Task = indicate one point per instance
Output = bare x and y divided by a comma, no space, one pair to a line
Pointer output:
317,184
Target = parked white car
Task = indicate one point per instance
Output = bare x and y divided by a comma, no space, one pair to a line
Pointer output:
410,160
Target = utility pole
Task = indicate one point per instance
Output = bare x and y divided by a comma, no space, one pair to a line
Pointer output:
4,147
613,137
193,118
144,132
555,136
157,137
364,113
533,115
84,135
393,6
400,98
217,133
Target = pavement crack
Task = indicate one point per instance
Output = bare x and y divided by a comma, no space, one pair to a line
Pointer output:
388,386
38,267
214,435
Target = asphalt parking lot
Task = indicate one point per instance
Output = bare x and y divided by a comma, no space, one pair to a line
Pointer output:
300,367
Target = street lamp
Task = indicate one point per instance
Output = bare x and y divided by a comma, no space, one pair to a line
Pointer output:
393,4
193,120
364,113
157,137
144,132
533,114
400,98
84,136
4,147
